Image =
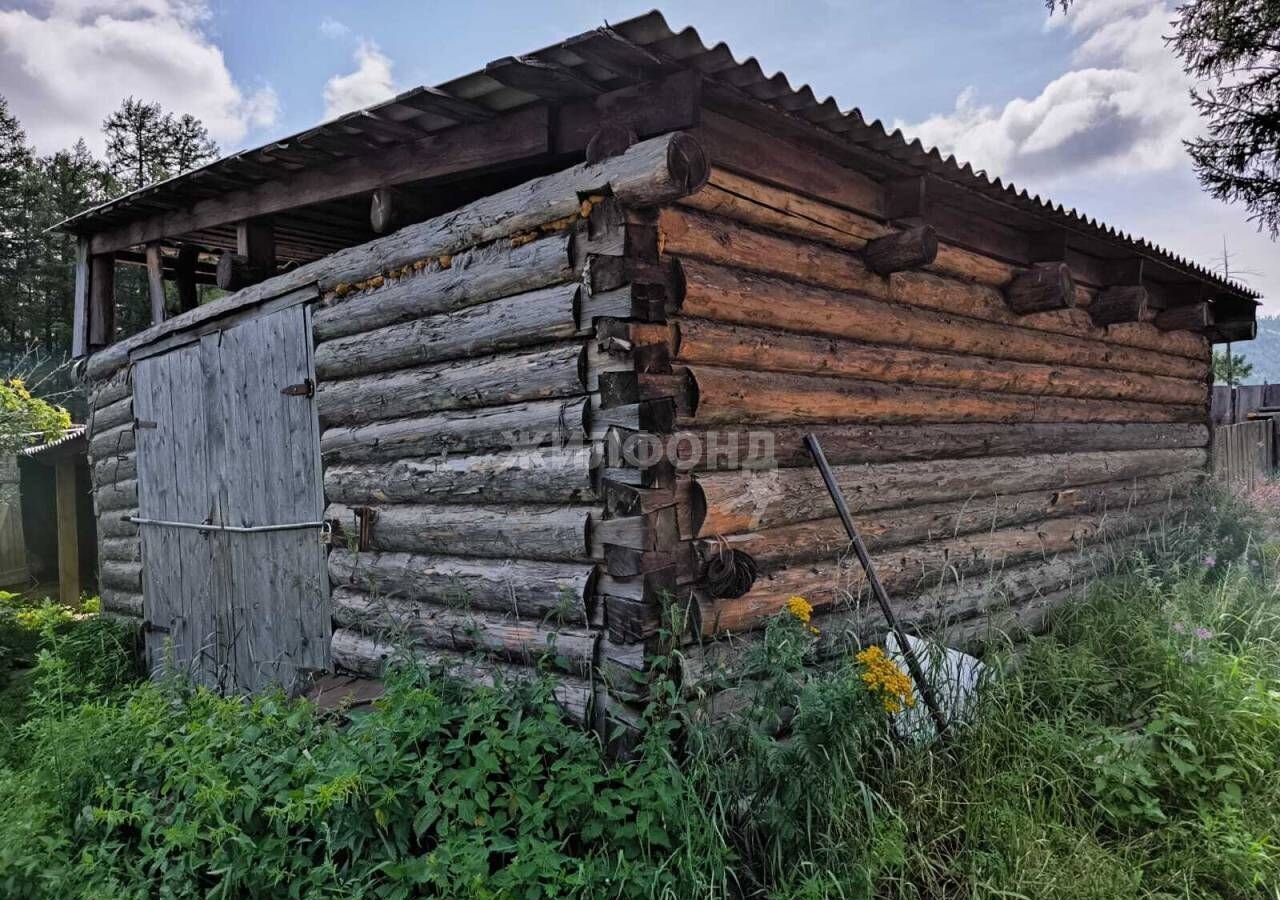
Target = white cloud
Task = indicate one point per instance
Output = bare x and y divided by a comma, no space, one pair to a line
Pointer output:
332,28
66,64
1124,108
370,83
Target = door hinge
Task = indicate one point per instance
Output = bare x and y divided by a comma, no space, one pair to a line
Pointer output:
306,388
151,627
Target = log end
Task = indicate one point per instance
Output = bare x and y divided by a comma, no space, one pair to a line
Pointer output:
687,162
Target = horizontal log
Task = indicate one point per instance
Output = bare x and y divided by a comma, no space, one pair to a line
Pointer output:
735,502
909,569
561,422
114,469
782,447
720,242
718,344
112,415
539,475
732,295
124,549
479,275
914,248
369,656
120,576
1043,287
560,647
826,538
113,389
1190,317
555,533
1128,303
458,384
120,495
535,591
729,396
113,442
121,602
1239,330
539,317
114,525
1011,625
652,172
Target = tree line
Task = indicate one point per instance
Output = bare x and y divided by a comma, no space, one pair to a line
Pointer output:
144,143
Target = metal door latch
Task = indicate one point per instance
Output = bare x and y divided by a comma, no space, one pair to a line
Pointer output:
306,388
152,627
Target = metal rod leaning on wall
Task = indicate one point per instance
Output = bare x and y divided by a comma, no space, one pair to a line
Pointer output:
908,652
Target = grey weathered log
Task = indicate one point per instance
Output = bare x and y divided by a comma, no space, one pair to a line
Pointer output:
562,647
737,502
155,282
558,592
475,276
122,576
911,249
114,442
652,172
1043,287
369,656
104,393
456,384
124,549
554,533
1124,303
105,417
117,495
114,524
122,602
538,317
1190,317
493,428
102,299
114,468
535,475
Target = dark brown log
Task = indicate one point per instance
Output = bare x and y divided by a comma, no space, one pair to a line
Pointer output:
391,208
702,342
473,382
102,300
472,277
1238,330
155,282
236,272
494,428
185,275
648,109
1191,317
548,475
912,249
732,295
729,396
538,317
736,502
551,533
1129,303
610,140
369,656
1043,287
534,591
565,648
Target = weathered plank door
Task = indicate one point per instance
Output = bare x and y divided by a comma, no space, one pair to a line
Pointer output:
224,441
13,549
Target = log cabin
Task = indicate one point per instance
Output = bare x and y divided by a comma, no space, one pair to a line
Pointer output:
514,372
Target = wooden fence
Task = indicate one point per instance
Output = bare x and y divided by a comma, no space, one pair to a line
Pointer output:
1244,454
1232,405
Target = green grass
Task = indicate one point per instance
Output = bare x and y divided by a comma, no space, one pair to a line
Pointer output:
1132,753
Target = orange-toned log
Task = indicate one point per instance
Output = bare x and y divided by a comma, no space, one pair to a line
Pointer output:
687,233
734,295
717,343
729,396
908,569
825,539
736,502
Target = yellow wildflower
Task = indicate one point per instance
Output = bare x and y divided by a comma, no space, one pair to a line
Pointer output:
801,608
884,679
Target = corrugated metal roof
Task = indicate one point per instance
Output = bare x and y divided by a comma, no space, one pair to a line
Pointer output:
605,59
72,434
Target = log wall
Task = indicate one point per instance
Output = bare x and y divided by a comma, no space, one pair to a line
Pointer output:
976,445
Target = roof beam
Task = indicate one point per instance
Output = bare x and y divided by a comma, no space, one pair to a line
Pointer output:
466,148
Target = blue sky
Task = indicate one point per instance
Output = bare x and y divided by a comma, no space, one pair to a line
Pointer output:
1088,109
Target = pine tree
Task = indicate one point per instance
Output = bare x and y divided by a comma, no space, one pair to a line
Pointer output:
146,144
16,163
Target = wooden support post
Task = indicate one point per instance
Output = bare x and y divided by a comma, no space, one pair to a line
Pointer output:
155,282
80,306
1120,304
102,299
911,249
254,259
1190,317
185,271
68,533
391,208
1043,287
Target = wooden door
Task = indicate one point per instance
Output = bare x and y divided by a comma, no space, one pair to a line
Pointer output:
13,548
226,438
